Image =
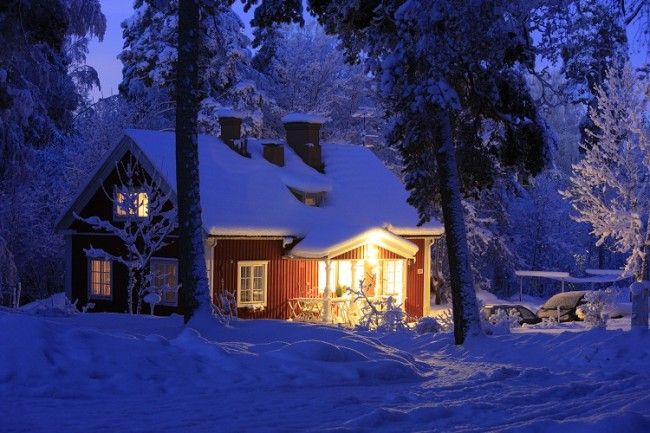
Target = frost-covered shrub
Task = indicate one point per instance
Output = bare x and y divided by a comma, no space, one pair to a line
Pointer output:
596,309
434,325
392,317
501,322
57,305
443,322
548,322
225,309
380,315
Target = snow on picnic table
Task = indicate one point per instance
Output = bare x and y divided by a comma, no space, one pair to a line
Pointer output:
110,372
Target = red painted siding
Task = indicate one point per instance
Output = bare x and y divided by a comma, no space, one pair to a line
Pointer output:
415,282
286,278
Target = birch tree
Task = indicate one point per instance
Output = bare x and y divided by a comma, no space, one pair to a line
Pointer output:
146,218
610,187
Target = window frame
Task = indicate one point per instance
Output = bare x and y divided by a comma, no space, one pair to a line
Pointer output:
165,260
89,278
129,191
384,280
252,263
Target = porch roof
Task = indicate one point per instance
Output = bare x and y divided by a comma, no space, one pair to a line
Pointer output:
327,244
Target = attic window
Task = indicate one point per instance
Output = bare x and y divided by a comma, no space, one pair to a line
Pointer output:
309,198
130,203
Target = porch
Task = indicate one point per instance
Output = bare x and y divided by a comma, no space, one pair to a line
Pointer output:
343,310
357,274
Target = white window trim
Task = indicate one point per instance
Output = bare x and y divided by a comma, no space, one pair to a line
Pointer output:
401,295
127,190
168,260
241,264
89,281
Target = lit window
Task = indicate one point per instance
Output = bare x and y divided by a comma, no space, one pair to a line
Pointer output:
251,288
134,203
164,273
393,277
100,278
345,273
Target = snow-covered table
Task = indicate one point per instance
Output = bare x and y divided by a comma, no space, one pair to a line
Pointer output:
311,309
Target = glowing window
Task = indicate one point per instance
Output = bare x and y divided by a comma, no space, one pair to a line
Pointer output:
131,203
252,282
393,277
100,278
164,273
345,273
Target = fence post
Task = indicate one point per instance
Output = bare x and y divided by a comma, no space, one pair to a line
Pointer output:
17,290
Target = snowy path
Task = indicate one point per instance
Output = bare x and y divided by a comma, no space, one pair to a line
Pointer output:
102,374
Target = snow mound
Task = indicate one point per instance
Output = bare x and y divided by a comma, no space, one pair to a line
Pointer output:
77,356
56,305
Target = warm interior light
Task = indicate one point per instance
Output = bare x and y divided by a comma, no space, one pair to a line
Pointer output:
372,253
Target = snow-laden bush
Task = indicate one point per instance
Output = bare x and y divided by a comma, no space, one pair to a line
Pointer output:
57,305
378,314
443,322
393,317
225,309
598,304
501,322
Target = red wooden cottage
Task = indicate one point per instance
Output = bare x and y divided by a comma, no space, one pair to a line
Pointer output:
279,217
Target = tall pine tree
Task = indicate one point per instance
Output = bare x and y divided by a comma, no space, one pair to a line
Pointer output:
191,261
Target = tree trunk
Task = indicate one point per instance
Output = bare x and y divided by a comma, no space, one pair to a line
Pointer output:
465,307
130,289
191,262
639,291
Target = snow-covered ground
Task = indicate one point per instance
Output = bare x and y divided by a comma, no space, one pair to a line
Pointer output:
118,373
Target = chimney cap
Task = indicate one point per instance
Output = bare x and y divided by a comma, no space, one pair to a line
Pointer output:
227,112
303,118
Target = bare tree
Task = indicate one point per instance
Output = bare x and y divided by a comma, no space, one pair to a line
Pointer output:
145,219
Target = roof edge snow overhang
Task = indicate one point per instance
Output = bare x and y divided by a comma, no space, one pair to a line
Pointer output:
375,236
430,230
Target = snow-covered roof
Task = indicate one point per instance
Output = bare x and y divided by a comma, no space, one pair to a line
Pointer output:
596,276
303,118
251,197
229,112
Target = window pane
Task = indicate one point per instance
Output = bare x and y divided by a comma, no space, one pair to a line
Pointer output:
359,273
252,283
345,273
100,277
321,276
259,271
143,204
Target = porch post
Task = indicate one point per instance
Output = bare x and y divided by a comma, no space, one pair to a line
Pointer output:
327,303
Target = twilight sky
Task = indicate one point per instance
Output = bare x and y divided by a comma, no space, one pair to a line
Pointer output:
103,55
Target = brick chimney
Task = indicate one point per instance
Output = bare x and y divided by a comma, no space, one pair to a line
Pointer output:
274,153
303,136
230,125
